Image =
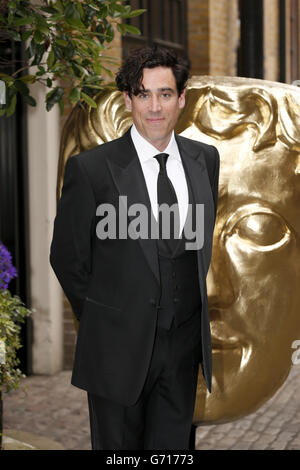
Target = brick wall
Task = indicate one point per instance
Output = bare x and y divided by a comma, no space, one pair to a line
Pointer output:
198,36
218,16
213,37
213,34
224,37
271,40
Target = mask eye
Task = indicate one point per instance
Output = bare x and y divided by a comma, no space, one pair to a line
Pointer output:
262,229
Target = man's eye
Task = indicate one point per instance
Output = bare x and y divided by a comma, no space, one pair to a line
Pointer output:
166,95
143,95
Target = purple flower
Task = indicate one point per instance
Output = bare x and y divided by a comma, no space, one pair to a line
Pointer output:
7,270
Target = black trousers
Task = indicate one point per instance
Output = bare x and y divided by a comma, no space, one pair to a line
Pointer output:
162,416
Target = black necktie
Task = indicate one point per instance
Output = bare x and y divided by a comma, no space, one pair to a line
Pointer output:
166,195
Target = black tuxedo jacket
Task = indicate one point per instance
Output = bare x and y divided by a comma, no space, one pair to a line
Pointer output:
113,285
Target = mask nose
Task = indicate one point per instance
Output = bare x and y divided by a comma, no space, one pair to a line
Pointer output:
220,292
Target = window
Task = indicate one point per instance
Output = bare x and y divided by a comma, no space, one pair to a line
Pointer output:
250,52
164,23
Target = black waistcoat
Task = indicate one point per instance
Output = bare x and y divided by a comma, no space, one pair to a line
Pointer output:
180,290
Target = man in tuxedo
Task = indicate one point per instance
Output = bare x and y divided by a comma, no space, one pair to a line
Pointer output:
140,300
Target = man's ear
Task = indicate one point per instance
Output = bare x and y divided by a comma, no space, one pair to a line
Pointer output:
181,99
127,99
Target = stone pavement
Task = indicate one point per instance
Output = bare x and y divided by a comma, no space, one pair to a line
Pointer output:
50,407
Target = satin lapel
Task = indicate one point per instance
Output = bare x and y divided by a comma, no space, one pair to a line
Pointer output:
195,167
129,179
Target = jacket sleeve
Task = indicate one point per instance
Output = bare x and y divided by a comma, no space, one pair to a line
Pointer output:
70,252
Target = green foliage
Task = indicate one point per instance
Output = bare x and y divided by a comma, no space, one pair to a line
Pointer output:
12,315
65,41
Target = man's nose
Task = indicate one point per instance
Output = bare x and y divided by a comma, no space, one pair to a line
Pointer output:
155,104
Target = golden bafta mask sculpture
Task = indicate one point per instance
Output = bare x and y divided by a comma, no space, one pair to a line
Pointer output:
254,278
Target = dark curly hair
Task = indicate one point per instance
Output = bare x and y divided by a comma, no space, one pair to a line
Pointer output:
130,75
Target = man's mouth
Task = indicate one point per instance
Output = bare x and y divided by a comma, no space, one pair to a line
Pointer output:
155,120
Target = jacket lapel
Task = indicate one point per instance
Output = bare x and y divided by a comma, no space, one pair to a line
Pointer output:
194,164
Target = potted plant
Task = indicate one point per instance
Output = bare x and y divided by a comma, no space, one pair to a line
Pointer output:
12,314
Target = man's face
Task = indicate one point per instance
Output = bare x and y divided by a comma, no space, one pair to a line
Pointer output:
156,108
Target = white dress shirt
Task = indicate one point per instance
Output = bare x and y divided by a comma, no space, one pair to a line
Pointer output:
175,171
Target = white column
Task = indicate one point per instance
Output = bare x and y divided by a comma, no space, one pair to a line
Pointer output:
46,294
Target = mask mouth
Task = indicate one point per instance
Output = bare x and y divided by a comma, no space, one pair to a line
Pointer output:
224,337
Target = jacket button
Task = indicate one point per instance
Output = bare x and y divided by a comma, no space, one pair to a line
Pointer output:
175,300
152,301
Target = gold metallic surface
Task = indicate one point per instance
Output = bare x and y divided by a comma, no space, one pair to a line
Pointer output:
254,278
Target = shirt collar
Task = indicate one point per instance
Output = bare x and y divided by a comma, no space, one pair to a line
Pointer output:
147,151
